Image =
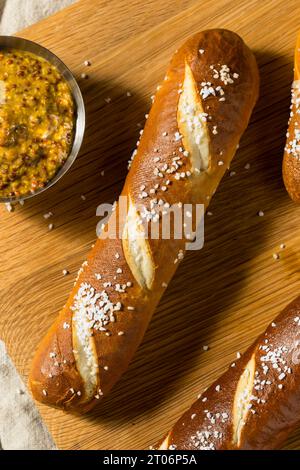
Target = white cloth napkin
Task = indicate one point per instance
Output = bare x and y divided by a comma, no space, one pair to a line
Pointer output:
17,14
21,426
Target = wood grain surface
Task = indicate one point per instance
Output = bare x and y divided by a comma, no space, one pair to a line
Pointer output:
222,296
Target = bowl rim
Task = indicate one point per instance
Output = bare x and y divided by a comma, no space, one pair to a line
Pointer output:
16,42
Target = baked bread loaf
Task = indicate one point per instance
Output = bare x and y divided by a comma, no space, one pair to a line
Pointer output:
291,158
198,116
256,403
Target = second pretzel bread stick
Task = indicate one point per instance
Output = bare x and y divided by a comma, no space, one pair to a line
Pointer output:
256,403
191,135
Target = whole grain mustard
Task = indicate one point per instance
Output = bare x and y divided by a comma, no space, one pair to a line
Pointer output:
36,122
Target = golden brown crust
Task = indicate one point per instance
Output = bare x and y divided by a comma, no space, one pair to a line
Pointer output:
204,52
274,404
291,158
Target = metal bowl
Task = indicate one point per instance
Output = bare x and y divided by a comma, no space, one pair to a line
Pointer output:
11,42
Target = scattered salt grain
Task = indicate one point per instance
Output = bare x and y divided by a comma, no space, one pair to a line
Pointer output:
9,207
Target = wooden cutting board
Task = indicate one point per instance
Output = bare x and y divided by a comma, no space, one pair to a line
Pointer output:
222,296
